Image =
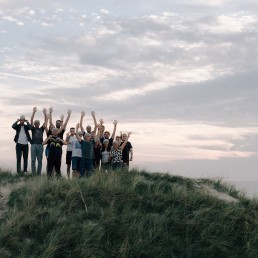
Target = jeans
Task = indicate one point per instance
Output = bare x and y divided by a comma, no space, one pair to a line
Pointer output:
22,150
86,166
36,154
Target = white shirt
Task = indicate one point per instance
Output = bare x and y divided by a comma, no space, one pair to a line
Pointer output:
104,156
22,139
70,145
77,149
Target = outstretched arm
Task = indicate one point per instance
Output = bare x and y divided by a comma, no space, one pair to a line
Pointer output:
77,133
126,140
33,115
95,121
50,116
45,118
67,118
114,130
81,120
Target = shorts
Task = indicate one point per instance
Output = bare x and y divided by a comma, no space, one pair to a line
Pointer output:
68,157
76,163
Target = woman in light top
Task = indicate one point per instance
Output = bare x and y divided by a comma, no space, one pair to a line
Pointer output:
116,154
105,153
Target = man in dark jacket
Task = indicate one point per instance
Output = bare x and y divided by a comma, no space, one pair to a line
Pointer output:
22,137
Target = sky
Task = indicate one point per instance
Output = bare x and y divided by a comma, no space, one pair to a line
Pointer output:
181,75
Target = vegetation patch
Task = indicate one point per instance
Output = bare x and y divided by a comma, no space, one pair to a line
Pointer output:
126,214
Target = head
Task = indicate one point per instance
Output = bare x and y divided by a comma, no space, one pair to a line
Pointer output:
118,138
124,136
88,129
58,124
22,119
106,134
87,137
80,134
72,131
115,145
36,123
106,142
92,133
54,131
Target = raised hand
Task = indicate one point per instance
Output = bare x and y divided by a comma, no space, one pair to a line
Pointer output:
78,126
101,121
82,113
44,110
50,110
62,117
115,122
34,109
93,113
69,111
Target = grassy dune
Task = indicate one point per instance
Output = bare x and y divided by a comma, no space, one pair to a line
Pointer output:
135,214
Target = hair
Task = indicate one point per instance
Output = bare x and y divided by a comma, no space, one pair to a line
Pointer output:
72,128
87,134
58,121
107,132
106,140
115,142
54,129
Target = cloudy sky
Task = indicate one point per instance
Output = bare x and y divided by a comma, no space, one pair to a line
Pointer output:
181,75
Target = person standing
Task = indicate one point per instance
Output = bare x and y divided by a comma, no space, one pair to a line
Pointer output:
70,139
127,154
87,144
36,144
116,153
22,138
55,152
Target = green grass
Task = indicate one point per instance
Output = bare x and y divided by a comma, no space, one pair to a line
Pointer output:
135,214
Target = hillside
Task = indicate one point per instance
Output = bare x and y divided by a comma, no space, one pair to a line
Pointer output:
135,214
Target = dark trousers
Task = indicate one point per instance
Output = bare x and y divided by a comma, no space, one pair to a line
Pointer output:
22,150
86,167
54,162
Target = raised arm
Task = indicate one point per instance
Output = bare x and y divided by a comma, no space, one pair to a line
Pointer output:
45,118
114,130
95,121
67,118
34,110
46,140
81,120
50,116
77,133
126,140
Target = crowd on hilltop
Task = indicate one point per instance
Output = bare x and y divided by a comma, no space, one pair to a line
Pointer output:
86,152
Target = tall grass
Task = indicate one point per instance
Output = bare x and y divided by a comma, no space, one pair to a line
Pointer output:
123,214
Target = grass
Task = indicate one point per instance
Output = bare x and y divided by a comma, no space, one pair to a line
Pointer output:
135,214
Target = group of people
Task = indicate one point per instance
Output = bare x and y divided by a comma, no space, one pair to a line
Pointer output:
87,151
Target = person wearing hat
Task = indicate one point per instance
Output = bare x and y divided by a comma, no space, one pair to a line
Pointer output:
37,139
22,138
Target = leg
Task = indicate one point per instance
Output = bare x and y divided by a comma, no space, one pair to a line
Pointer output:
18,157
50,166
25,157
58,166
82,168
40,150
33,158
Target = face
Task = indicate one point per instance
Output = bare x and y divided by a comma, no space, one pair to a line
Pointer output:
87,138
58,124
88,129
124,136
51,127
36,124
106,135
118,138
22,121
54,132
72,131
115,145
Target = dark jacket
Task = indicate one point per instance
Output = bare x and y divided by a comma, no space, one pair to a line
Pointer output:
17,127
